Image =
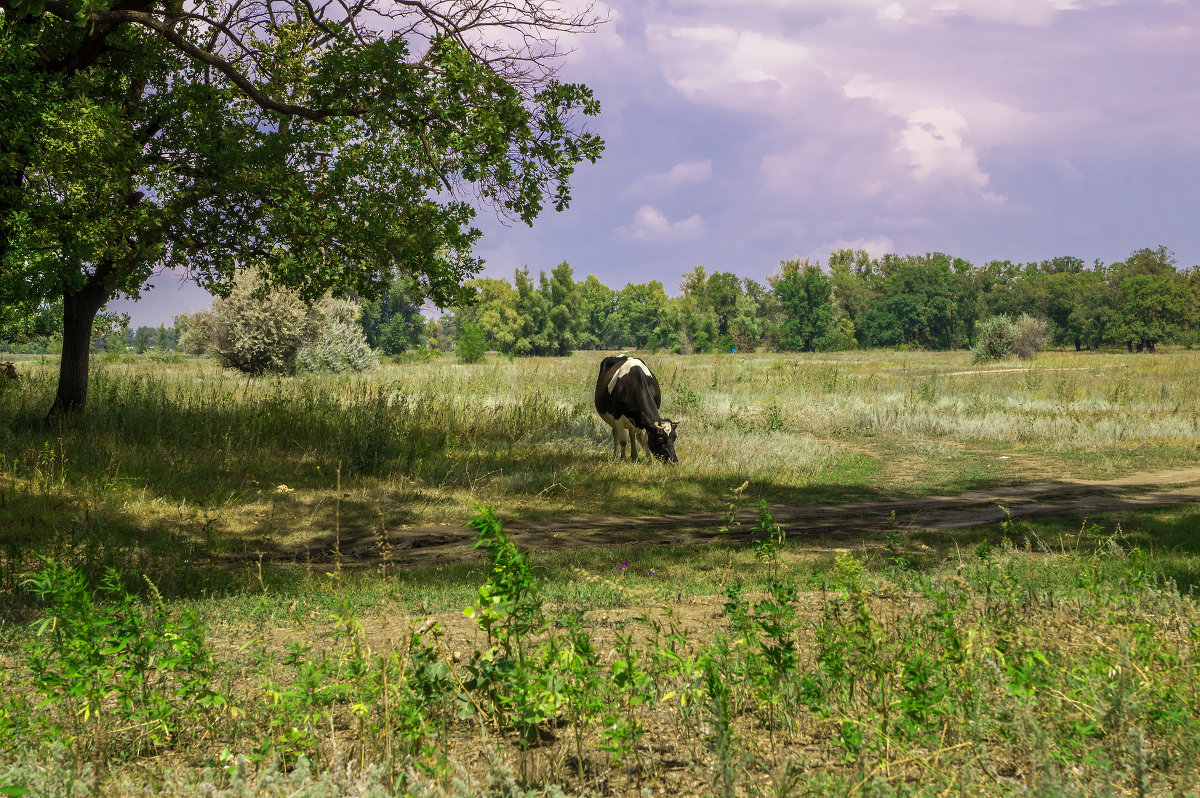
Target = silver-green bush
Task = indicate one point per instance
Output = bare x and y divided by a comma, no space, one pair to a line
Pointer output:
338,343
195,332
1032,336
1001,337
995,339
258,329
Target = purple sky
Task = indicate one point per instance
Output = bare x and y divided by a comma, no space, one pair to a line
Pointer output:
740,134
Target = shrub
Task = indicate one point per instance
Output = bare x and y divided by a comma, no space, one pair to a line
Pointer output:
472,344
1002,337
195,332
338,343
259,329
996,339
1031,336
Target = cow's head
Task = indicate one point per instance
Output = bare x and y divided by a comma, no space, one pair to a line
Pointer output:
661,440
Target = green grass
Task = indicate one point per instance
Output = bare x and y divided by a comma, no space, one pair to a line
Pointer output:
1052,656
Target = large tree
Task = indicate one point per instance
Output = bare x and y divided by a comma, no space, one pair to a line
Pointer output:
333,144
806,296
916,305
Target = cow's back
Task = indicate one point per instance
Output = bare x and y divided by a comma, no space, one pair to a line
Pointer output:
622,384
608,369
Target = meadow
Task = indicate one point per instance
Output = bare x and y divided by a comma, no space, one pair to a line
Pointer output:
151,642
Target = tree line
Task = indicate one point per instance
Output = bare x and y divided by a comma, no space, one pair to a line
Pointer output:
931,301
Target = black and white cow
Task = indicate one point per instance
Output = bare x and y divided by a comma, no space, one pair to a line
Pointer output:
627,397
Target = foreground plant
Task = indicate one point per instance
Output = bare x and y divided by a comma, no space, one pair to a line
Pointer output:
113,673
1069,673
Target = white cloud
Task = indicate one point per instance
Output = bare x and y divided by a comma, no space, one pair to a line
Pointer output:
731,67
1029,13
893,12
934,149
649,224
681,174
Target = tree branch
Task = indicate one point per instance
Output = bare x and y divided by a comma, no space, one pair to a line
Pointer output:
168,33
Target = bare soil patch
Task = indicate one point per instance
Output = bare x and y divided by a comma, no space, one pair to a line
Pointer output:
825,526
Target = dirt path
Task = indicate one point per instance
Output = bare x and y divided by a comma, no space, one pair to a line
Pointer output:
829,525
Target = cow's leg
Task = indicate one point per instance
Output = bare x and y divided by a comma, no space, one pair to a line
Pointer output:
641,436
618,433
620,437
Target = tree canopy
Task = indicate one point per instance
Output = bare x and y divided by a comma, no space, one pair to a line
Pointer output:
334,145
931,301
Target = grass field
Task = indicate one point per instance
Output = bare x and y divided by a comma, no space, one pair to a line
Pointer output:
1056,656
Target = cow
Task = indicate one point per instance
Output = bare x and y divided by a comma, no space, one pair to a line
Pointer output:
627,398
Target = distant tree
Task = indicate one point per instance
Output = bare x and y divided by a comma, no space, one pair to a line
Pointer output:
597,303
855,280
721,294
806,298
167,338
747,327
393,322
533,311
145,338
915,305
494,309
639,320
472,343
1150,299
1061,292
440,332
563,320
1191,291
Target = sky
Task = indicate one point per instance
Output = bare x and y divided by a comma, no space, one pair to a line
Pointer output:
742,134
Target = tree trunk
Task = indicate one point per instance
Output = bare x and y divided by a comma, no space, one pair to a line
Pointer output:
79,313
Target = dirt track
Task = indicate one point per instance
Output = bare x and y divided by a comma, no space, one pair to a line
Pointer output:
831,526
